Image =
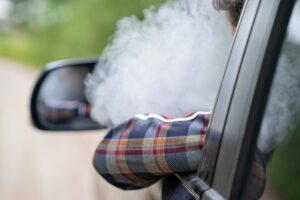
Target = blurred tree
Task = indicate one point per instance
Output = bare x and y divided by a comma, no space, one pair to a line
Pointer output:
22,11
55,29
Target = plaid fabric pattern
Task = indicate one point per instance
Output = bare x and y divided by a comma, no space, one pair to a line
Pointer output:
140,151
146,148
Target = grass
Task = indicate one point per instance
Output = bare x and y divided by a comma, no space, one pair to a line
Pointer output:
284,169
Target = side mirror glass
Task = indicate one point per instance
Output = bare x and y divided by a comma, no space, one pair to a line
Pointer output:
58,101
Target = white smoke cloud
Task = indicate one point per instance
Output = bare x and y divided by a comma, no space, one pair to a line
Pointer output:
283,109
171,62
294,26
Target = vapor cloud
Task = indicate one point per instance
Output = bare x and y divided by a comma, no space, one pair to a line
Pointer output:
171,62
282,114
294,27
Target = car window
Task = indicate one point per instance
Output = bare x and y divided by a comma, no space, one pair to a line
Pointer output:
212,148
216,75
279,139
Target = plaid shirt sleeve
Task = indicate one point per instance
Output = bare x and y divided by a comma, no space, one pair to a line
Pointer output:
146,148
140,151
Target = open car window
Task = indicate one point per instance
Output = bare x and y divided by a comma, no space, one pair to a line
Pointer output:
201,181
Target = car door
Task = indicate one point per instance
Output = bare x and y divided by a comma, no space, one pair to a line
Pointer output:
231,141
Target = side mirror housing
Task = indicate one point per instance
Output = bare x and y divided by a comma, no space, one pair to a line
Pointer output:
58,100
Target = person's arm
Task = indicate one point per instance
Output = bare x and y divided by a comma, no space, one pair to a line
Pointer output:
140,151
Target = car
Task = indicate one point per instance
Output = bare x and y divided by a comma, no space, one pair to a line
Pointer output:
239,110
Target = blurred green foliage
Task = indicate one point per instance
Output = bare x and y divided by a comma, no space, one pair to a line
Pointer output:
58,29
284,168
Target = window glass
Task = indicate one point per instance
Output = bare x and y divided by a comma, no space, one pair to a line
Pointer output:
279,140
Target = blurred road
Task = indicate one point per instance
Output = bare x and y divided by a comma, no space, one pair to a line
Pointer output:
40,166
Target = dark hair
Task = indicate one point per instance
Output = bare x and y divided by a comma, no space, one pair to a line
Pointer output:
234,11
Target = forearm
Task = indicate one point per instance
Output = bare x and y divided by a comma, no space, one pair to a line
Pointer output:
138,152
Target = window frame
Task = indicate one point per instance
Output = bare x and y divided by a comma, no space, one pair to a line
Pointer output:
245,88
234,128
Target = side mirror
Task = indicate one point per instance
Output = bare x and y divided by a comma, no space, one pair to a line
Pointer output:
58,100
